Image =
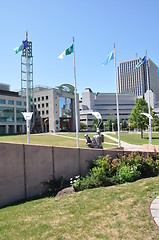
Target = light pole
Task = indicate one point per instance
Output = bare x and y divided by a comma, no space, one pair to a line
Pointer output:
121,126
45,124
112,127
148,89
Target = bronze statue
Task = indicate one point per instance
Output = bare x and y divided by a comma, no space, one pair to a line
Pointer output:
95,141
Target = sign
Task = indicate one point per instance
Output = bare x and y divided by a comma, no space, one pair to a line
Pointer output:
27,115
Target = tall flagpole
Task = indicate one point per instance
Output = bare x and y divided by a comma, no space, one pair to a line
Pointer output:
148,89
75,92
119,145
27,94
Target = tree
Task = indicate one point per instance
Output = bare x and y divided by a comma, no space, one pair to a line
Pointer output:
124,125
136,118
97,124
83,126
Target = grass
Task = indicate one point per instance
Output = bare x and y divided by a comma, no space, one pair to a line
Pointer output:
118,212
64,139
135,138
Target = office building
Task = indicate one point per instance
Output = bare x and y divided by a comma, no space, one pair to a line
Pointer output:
11,107
105,104
54,109
132,80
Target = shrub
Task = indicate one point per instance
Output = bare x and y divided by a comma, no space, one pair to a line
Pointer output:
105,172
156,128
127,174
55,185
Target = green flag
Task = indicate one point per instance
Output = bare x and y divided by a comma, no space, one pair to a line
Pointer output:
66,52
143,61
18,49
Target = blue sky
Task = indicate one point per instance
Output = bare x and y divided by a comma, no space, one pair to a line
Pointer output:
95,25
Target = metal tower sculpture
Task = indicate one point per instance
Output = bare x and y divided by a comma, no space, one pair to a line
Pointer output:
27,76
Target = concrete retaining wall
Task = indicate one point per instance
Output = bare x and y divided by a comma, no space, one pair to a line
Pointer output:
24,167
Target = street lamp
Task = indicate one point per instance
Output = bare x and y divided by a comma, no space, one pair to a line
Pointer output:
45,124
112,127
121,126
150,118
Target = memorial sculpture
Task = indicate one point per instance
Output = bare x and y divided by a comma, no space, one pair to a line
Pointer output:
97,140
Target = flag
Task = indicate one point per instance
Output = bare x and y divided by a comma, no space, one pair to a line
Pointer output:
66,52
158,71
108,59
25,44
143,61
21,47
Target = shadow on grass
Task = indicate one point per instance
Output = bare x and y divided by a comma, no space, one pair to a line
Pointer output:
24,201
55,185
152,137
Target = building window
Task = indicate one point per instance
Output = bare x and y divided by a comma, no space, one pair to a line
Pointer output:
25,104
38,99
47,97
19,115
47,112
43,98
6,114
39,113
18,103
65,107
11,102
42,105
2,101
47,104
38,105
34,99
43,112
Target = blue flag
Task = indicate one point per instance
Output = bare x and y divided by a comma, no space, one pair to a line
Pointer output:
158,71
25,44
108,59
143,61
21,47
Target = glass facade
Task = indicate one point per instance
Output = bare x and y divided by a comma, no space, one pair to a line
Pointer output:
18,103
2,101
65,107
6,114
65,114
11,102
19,115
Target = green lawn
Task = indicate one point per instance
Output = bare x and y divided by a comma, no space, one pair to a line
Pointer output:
118,212
64,139
135,138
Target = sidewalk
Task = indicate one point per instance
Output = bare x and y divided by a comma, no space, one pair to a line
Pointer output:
126,146
154,208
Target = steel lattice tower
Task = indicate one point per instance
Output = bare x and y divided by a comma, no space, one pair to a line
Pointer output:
30,75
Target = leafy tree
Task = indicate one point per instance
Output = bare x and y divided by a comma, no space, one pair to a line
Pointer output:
108,125
83,126
155,121
95,124
136,118
124,125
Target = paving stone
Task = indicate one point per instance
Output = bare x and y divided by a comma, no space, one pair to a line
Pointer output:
155,201
154,206
157,221
154,213
155,210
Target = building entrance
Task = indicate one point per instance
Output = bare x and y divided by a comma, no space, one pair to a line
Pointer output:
65,124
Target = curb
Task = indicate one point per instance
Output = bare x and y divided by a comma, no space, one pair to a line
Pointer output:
154,208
